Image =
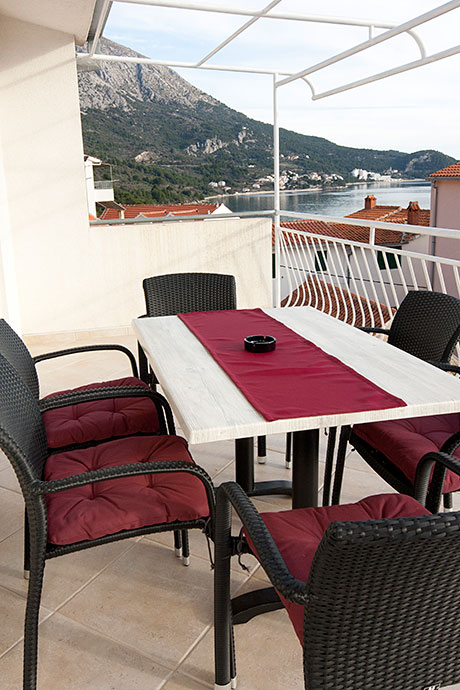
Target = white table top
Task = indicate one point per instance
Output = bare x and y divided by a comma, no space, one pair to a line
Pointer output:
209,407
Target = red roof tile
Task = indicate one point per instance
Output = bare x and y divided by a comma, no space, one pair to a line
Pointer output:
338,303
376,213
156,210
354,233
451,171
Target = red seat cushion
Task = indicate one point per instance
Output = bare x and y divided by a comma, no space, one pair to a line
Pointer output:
405,441
297,533
101,508
101,419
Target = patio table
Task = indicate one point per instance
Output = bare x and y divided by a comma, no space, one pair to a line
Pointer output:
210,407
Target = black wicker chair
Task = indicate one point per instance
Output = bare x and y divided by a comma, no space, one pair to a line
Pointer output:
427,325
371,588
93,420
70,505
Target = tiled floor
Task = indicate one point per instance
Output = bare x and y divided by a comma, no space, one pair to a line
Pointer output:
128,615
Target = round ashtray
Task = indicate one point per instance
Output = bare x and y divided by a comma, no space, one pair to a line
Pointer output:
259,343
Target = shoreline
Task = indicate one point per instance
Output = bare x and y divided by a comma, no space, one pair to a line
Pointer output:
319,188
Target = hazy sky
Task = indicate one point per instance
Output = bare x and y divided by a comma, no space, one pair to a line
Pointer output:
408,112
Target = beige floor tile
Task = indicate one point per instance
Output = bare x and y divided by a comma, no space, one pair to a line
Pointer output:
181,682
213,457
149,597
358,484
64,576
8,479
12,612
268,654
11,513
74,657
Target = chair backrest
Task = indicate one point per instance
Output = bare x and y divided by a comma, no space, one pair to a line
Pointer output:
22,432
383,605
15,351
185,292
427,325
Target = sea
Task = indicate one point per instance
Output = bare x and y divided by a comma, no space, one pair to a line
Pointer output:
336,202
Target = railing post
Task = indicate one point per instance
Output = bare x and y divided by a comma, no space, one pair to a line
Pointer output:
276,183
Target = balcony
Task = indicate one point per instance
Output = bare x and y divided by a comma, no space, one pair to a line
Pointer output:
128,615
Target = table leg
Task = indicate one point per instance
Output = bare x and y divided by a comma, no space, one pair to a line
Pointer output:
244,472
305,446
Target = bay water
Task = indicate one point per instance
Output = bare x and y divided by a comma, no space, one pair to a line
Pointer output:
336,202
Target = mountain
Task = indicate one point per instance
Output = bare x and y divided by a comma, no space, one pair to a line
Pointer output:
167,140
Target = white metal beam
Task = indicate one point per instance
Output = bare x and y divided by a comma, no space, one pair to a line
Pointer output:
396,31
103,11
390,72
239,31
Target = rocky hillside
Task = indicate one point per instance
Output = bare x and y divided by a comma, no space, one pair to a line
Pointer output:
167,139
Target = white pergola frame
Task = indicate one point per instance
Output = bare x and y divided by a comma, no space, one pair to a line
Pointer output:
92,59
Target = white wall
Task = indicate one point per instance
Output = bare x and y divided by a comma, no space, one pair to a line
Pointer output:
70,276
40,136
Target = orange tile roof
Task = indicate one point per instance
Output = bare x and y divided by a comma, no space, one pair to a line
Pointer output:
451,171
338,303
354,233
376,213
391,214
156,210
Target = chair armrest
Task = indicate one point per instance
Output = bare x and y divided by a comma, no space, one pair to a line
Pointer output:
423,472
369,329
445,366
93,394
89,348
267,552
41,488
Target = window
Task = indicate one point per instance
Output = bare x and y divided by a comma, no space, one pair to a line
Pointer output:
320,261
390,260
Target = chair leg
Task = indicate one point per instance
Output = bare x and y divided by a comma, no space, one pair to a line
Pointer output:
288,456
447,501
261,450
178,543
224,660
329,465
185,547
340,463
26,547
37,566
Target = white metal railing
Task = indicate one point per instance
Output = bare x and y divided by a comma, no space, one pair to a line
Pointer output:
103,184
362,283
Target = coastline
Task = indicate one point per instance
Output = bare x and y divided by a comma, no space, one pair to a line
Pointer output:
318,188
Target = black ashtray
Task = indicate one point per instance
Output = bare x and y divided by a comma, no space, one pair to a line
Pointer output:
259,343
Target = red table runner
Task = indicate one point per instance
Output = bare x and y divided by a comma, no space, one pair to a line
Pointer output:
297,379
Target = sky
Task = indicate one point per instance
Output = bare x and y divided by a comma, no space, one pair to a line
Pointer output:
409,112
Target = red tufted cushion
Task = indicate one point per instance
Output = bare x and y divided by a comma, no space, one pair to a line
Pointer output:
107,507
101,419
297,533
405,441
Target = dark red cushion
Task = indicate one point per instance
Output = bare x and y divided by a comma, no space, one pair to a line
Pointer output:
405,441
97,509
297,533
101,419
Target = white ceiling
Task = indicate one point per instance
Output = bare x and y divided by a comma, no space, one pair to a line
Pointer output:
70,16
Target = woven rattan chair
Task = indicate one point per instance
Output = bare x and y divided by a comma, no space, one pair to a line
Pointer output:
93,420
371,587
427,325
154,486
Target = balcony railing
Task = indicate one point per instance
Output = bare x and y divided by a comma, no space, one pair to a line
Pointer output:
363,283
103,184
